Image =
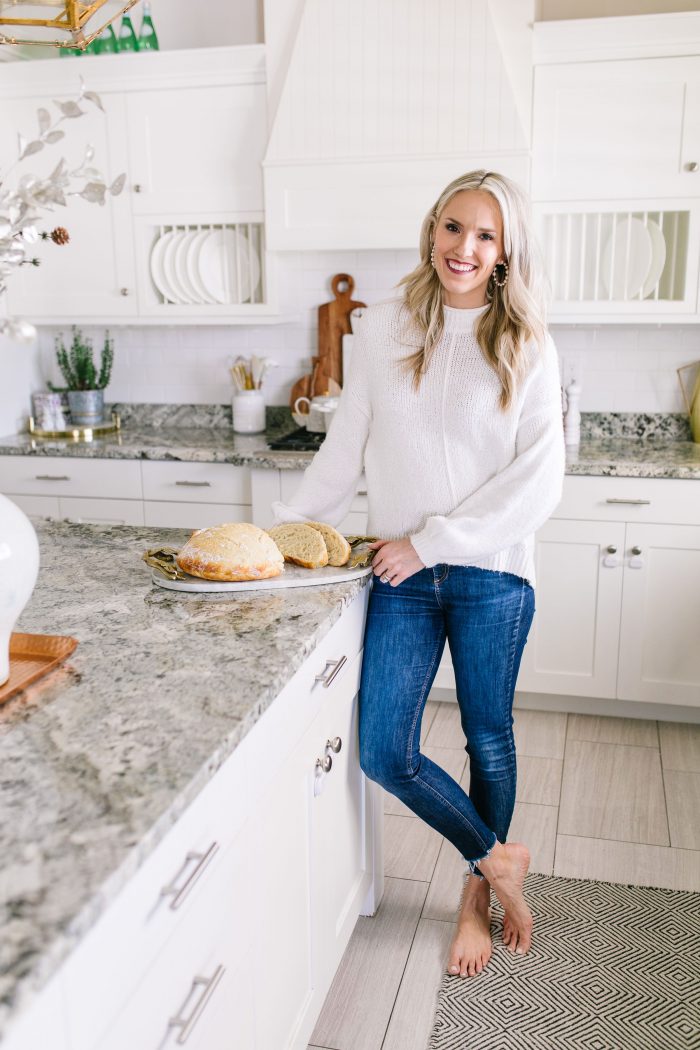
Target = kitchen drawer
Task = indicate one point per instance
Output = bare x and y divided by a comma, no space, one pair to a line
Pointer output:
38,506
102,511
202,974
290,480
63,476
194,515
110,962
664,500
196,482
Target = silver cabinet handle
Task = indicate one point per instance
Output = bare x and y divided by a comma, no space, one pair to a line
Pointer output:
335,744
124,291
692,165
611,549
326,763
137,187
361,492
327,676
636,550
52,477
637,502
195,484
178,893
186,1024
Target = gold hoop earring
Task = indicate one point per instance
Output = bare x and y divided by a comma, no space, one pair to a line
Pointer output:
500,284
432,255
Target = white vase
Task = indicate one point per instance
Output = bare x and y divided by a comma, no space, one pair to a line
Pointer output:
19,566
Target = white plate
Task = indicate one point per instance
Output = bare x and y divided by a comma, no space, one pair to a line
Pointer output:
170,272
612,272
191,265
658,257
157,271
291,576
218,269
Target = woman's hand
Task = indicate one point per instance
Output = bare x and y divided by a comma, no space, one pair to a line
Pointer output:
395,560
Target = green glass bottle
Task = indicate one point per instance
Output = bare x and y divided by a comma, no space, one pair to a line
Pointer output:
107,42
148,41
127,36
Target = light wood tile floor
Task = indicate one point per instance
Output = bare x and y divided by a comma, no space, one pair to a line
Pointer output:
614,799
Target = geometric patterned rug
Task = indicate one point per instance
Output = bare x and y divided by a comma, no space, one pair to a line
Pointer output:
612,967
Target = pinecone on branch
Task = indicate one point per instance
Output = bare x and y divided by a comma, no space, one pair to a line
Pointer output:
60,235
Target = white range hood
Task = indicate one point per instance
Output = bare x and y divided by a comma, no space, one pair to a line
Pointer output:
384,102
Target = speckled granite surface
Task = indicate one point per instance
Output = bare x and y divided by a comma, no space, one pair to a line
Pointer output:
100,759
612,444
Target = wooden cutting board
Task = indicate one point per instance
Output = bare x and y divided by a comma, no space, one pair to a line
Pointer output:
333,324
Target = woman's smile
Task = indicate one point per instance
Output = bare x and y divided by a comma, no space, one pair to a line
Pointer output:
459,267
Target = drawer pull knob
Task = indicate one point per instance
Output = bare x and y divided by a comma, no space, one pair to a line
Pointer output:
636,550
325,763
636,502
327,676
178,893
335,744
692,165
124,291
195,484
208,987
52,477
611,549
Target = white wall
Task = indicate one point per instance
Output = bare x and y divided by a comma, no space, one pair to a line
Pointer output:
21,373
554,10
622,368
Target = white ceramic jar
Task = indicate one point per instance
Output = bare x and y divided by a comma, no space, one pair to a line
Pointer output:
248,408
19,567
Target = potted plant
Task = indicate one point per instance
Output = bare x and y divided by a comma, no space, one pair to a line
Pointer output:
84,385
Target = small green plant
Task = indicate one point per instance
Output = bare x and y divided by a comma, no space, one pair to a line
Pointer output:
77,365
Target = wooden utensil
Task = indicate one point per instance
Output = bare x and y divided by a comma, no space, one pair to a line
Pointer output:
333,324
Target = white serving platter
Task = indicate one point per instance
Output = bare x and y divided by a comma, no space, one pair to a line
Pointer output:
291,576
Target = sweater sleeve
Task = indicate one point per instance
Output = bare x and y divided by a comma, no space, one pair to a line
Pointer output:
516,501
330,481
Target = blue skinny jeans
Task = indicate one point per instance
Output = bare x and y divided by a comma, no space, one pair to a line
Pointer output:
486,616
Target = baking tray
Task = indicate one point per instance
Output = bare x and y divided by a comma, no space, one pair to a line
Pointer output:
31,657
291,576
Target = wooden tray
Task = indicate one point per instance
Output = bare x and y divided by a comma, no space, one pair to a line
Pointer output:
31,657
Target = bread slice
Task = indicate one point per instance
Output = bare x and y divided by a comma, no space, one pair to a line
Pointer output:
300,544
338,547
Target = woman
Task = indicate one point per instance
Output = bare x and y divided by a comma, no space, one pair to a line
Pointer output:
453,408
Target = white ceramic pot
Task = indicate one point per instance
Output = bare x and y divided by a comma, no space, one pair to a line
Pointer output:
19,567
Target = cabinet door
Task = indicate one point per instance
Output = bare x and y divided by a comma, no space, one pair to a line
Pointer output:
341,828
85,277
281,905
37,506
102,511
659,651
616,129
573,642
185,149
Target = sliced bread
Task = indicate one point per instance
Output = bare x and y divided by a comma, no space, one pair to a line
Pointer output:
300,544
338,547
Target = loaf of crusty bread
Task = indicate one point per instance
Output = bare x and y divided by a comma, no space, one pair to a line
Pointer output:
300,544
235,551
338,547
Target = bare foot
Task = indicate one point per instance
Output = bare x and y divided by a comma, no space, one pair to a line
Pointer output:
471,946
506,869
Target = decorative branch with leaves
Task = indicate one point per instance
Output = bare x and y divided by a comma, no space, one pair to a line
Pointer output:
21,208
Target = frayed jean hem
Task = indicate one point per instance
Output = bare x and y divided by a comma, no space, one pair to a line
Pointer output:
472,865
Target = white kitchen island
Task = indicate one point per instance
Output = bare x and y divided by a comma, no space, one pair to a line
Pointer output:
184,818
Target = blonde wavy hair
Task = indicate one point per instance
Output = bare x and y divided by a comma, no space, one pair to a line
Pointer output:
517,311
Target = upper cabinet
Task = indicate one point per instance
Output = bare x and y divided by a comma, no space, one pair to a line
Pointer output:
616,166
185,240
626,128
382,105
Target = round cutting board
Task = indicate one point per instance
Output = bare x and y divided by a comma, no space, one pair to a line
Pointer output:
291,576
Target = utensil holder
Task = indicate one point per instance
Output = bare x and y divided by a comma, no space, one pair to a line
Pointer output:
248,407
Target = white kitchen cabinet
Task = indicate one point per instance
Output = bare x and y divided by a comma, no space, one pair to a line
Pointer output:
101,511
189,133
270,485
618,623
93,275
195,495
625,129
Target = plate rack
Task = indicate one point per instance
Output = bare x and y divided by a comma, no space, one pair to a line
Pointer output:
216,265
610,257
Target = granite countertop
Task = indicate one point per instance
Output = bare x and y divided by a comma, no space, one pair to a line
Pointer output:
612,444
101,758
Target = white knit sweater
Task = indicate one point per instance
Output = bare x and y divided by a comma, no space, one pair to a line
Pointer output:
468,483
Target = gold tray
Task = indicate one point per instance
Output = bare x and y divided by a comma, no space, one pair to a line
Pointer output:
79,433
31,657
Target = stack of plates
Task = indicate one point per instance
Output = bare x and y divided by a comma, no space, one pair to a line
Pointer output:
627,273
197,267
